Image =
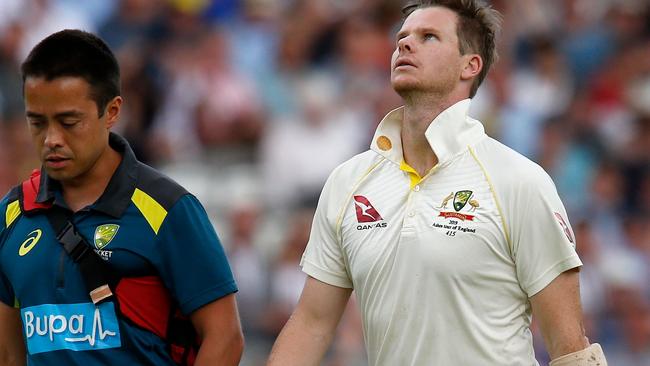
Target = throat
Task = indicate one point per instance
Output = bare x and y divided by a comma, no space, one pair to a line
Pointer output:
78,197
418,153
422,166
87,188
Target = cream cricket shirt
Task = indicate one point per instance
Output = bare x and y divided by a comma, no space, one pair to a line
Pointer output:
443,266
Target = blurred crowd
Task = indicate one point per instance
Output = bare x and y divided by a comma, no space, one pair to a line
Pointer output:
251,103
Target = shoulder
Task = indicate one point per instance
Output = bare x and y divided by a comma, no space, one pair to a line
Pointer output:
10,207
153,184
342,182
347,175
357,167
508,169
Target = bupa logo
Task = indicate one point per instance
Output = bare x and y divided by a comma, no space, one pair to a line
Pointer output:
76,327
366,213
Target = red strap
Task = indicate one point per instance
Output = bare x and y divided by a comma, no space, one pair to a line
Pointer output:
146,302
178,355
30,192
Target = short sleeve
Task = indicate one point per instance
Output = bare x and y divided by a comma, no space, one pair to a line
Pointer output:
190,258
7,294
542,238
323,258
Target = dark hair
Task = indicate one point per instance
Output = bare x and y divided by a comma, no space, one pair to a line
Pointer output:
478,26
76,53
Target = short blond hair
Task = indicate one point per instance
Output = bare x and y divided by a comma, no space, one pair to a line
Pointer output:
477,29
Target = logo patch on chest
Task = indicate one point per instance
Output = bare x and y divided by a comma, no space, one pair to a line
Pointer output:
453,221
77,327
30,242
365,210
367,216
104,234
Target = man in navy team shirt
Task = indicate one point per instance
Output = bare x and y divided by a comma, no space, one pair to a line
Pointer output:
143,225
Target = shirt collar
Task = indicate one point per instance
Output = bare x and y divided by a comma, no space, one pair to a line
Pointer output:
448,134
117,195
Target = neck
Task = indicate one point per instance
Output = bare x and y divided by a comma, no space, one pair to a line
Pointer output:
86,189
419,113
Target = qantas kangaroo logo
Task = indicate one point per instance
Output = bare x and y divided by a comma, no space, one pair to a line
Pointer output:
365,211
367,214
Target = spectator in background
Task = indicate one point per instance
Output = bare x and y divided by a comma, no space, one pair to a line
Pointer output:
248,267
286,279
209,106
537,92
251,273
299,151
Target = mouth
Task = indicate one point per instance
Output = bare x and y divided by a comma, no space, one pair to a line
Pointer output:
55,161
403,63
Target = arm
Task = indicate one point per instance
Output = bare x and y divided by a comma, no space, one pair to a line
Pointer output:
218,326
309,331
12,348
557,309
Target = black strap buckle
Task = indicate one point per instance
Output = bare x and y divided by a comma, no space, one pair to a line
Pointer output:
73,243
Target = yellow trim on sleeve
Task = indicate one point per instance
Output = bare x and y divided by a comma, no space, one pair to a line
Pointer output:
496,200
13,211
413,174
16,303
152,211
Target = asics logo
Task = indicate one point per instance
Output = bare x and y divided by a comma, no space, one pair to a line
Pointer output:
30,242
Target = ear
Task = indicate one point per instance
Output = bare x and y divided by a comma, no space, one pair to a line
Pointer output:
472,67
113,111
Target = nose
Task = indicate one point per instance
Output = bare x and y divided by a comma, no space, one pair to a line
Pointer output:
404,44
53,137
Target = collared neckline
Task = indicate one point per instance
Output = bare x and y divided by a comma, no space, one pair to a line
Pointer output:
449,133
117,195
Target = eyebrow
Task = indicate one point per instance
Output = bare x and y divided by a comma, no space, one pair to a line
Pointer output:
403,33
66,114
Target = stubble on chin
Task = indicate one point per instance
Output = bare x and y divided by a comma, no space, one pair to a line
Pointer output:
404,88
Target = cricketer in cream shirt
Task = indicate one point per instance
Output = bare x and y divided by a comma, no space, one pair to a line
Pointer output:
442,265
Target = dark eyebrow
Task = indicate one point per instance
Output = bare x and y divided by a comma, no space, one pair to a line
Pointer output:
66,114
34,115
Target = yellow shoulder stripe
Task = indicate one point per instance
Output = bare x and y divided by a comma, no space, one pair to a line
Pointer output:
152,211
13,211
506,232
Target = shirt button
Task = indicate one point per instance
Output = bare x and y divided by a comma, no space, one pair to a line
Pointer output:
411,214
416,188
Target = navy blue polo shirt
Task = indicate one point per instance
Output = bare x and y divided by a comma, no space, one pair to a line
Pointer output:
143,224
